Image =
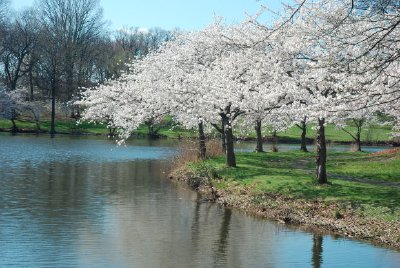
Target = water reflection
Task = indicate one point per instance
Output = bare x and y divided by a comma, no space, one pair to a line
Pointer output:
222,243
317,250
73,211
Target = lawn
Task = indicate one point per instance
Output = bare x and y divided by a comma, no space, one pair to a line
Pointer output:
71,127
291,174
61,126
383,167
368,134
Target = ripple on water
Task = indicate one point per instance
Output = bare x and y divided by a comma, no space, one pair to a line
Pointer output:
79,202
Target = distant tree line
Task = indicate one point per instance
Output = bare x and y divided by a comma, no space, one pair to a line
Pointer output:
50,51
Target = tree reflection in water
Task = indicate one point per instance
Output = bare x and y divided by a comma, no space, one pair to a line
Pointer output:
317,250
222,243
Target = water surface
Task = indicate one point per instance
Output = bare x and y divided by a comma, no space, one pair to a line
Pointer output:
83,202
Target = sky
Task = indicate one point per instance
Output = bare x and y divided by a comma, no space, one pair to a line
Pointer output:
171,14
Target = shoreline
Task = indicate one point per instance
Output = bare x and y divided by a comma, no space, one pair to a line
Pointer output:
334,218
268,140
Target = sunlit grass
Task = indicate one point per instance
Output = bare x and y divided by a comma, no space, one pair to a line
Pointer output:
365,165
291,174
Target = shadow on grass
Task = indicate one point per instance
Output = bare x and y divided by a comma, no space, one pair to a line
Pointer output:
274,172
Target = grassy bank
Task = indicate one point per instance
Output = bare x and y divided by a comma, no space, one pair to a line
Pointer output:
62,126
85,128
362,199
372,134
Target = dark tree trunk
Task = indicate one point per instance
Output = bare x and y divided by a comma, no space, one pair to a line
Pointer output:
14,128
223,137
69,71
152,130
202,141
303,146
53,108
321,177
358,142
274,148
356,136
359,125
31,84
230,153
227,116
259,146
37,126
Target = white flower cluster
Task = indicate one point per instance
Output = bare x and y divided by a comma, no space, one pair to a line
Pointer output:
325,62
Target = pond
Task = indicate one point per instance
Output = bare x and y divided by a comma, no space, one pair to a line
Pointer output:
83,202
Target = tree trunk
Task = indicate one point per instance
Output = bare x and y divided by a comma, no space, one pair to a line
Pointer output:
223,137
303,146
31,84
230,153
53,109
202,142
37,126
359,125
321,153
259,146
14,128
358,142
69,71
274,148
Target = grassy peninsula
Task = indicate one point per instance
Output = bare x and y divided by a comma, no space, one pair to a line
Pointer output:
362,199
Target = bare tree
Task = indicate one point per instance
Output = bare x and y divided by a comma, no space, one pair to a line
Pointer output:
70,27
19,40
3,10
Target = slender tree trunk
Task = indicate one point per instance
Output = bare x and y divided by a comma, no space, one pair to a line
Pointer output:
202,141
69,73
14,128
31,84
321,177
53,108
150,129
259,146
303,128
230,153
359,125
223,137
274,142
152,132
358,142
37,126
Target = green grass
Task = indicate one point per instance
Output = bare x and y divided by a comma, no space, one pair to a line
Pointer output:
70,126
373,133
368,134
283,173
62,126
169,129
364,165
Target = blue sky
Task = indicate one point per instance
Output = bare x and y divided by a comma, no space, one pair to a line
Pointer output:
170,14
